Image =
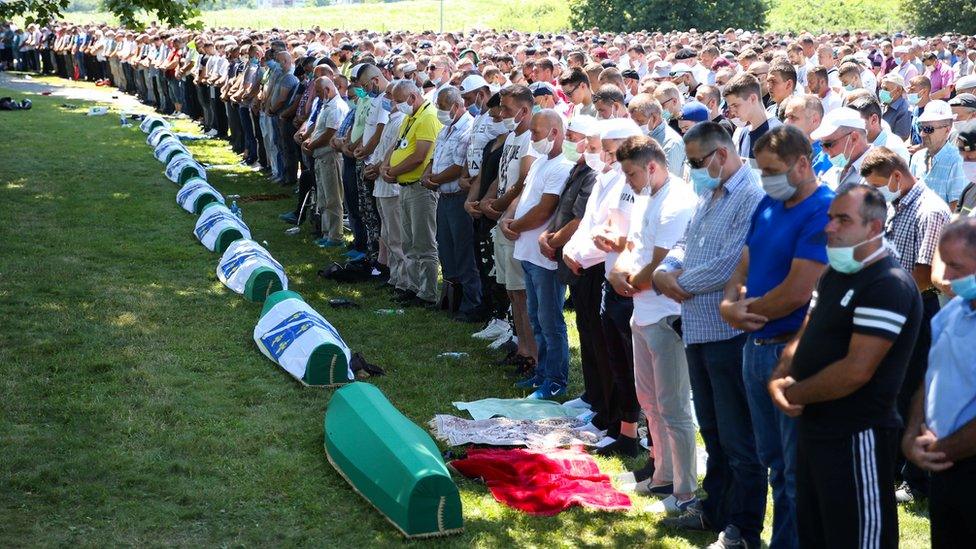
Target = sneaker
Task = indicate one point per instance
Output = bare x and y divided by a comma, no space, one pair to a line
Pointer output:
904,493
502,341
605,441
403,297
644,487
289,217
493,330
624,446
692,519
670,505
590,428
211,133
577,403
533,382
325,242
355,256
549,390
586,415
729,538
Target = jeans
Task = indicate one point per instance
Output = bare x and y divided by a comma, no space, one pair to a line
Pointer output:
455,238
250,140
544,297
350,191
775,438
734,480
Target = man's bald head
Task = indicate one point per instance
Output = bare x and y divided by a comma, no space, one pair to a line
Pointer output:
548,125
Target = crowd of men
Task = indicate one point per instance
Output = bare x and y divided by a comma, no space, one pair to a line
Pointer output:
770,236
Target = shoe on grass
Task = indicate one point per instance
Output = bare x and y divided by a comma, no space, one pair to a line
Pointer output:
533,382
289,217
905,494
577,402
730,538
670,506
692,519
493,330
504,340
549,390
623,446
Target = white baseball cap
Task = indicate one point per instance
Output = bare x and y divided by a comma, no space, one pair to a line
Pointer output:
584,124
843,117
619,128
936,111
473,82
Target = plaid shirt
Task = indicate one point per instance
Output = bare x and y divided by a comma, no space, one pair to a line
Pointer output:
944,175
346,125
710,252
915,223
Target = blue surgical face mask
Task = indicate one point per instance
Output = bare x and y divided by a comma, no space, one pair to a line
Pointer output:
667,116
898,60
702,181
474,110
536,108
885,96
913,99
841,258
387,104
964,287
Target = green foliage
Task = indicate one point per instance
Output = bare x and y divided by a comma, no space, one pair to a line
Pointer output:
930,17
33,11
665,15
834,15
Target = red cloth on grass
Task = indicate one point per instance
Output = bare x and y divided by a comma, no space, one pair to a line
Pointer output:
542,482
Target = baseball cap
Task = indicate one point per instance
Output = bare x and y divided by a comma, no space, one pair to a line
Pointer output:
966,100
584,124
843,117
935,111
618,128
694,111
966,136
473,82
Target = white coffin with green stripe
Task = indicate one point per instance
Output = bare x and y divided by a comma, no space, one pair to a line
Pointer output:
196,194
217,227
248,269
158,135
182,167
151,122
168,148
301,341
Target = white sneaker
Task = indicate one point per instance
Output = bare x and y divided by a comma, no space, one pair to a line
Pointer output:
211,133
577,403
605,441
586,415
590,428
669,505
495,329
505,338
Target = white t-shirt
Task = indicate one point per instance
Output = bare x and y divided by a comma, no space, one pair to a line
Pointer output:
391,131
377,115
546,176
331,116
660,221
480,137
620,208
514,149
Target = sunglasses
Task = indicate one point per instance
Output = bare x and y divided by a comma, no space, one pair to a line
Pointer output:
931,129
830,144
701,163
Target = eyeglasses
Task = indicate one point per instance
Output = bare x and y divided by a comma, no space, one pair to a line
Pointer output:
931,129
569,93
830,144
701,163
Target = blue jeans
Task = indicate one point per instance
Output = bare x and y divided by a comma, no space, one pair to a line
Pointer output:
455,248
544,296
734,480
775,439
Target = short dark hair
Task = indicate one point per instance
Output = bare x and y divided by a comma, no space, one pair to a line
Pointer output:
743,85
643,150
575,76
784,70
709,134
787,142
608,93
873,208
963,228
883,162
519,93
866,105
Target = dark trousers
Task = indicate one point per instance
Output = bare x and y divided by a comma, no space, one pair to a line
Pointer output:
350,190
494,297
844,495
259,138
234,124
288,149
247,131
916,478
735,480
951,506
587,294
615,315
455,235
306,183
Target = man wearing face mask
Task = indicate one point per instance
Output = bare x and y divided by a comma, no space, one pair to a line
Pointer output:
711,97
405,166
917,218
938,162
903,60
648,114
918,97
869,108
328,163
940,435
544,292
455,233
693,274
840,376
845,140
966,141
609,102
662,209
585,284
671,100
805,112
768,294
896,112
746,110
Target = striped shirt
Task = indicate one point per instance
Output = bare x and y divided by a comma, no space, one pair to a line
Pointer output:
942,172
709,253
915,223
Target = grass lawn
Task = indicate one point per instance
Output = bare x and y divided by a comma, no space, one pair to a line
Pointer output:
136,408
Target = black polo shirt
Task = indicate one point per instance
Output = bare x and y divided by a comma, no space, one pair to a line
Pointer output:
879,300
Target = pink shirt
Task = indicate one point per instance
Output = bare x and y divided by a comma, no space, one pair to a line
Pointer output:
941,76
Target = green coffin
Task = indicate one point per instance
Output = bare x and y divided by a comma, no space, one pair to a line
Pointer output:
186,174
225,238
172,154
263,282
391,462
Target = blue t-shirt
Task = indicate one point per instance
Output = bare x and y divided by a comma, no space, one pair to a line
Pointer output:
821,161
778,235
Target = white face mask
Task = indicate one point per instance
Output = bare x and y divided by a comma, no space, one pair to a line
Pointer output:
445,117
543,146
738,122
405,108
594,161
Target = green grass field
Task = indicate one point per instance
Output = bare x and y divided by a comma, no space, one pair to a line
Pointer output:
136,408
